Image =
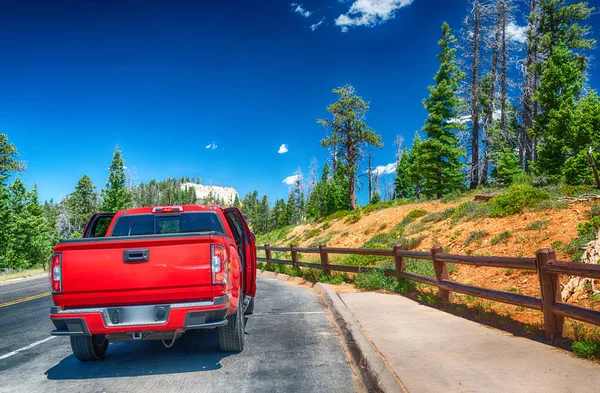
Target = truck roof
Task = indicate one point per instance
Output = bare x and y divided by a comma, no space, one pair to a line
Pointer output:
174,209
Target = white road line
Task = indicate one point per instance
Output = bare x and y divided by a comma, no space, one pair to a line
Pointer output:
288,313
26,348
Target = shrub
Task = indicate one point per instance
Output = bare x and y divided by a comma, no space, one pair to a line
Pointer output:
594,210
411,217
326,225
549,204
353,218
415,228
586,348
453,196
312,233
503,237
537,225
476,235
470,211
516,199
571,191
438,216
376,279
338,215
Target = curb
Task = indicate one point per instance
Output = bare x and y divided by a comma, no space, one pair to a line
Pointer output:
377,375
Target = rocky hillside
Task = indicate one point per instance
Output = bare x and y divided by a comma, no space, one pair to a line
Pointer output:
225,194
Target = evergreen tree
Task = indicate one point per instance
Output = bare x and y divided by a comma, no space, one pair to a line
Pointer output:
9,155
339,197
404,188
440,154
506,167
117,195
349,134
561,82
413,173
82,203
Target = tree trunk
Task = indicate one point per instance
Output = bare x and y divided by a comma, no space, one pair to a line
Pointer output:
370,174
594,168
527,144
504,81
475,103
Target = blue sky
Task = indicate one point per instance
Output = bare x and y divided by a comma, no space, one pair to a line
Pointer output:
208,89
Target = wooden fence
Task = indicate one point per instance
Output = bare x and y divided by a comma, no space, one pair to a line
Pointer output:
545,263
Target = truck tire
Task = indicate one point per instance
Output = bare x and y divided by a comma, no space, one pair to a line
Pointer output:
250,308
231,336
86,348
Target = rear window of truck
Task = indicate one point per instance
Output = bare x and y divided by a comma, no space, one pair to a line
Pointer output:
157,224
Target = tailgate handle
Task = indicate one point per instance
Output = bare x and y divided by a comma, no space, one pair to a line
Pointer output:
136,255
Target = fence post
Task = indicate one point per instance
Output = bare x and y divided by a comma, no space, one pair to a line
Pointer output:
399,260
268,254
324,259
550,290
294,256
441,273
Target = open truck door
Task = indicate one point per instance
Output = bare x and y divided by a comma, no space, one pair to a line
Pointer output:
245,240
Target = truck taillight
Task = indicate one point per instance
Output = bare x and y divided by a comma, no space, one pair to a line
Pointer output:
219,264
56,272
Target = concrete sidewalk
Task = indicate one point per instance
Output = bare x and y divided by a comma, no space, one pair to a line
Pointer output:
433,351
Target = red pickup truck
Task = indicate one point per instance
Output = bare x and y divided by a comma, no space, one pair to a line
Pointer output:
153,273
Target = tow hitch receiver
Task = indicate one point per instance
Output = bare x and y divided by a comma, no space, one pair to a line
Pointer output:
139,335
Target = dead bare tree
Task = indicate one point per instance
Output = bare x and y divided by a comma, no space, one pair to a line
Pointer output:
471,48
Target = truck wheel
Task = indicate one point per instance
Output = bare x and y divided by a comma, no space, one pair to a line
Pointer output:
86,348
231,336
250,308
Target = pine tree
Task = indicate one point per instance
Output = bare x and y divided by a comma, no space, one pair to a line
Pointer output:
339,196
562,79
440,154
9,155
404,188
82,203
506,168
349,134
116,196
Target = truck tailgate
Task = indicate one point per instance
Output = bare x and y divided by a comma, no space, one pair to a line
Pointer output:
97,273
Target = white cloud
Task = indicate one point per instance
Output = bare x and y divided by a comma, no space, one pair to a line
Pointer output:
301,10
212,146
370,13
290,180
385,169
283,149
516,33
316,25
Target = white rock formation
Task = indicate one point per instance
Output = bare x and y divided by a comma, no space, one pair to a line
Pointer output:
204,193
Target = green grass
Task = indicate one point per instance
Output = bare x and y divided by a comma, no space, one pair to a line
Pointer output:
415,228
594,210
503,237
278,236
551,204
376,279
438,216
353,218
470,211
537,225
412,216
428,298
475,235
586,348
312,233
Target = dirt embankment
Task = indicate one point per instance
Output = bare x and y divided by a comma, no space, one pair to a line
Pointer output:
518,235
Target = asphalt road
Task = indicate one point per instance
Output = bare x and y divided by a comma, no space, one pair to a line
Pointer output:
291,346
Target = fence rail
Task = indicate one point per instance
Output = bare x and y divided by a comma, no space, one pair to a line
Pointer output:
545,263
